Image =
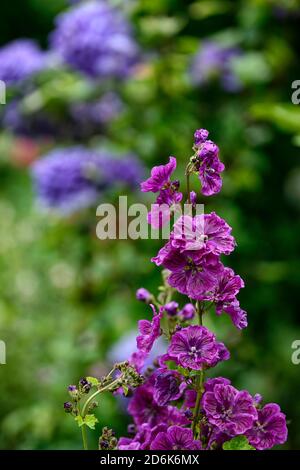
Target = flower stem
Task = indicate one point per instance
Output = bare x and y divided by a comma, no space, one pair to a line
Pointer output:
100,390
84,437
200,381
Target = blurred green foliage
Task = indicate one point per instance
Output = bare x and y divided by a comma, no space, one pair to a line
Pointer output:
66,297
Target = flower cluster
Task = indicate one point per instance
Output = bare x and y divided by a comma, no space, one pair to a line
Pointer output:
177,407
69,179
214,61
95,39
19,60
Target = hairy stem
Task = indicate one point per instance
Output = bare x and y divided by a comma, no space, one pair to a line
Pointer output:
100,390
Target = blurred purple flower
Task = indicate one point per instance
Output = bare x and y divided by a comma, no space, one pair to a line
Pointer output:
95,39
214,61
69,179
19,60
99,112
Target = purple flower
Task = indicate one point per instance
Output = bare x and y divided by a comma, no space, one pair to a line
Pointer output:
232,411
193,198
171,308
192,273
210,383
68,407
214,61
96,113
160,182
270,428
143,295
144,409
195,347
227,288
19,60
237,315
207,232
200,136
149,331
160,177
69,179
95,39
169,385
142,439
175,438
187,312
210,168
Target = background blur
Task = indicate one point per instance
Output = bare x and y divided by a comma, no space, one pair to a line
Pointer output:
66,298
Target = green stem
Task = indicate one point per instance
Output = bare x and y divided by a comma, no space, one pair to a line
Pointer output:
84,437
100,390
200,381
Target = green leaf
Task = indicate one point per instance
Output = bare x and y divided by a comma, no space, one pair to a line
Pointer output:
238,443
79,420
90,421
93,381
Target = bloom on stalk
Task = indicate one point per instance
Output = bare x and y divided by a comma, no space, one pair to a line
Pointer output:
231,411
269,429
149,331
195,347
175,438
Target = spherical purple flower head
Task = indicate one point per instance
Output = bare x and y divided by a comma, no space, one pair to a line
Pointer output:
214,61
144,409
19,60
169,385
175,438
187,312
149,331
270,428
95,39
195,347
192,273
206,232
232,411
210,168
69,179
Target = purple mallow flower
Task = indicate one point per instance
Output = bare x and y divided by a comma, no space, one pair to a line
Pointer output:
160,182
206,232
19,60
149,331
144,408
200,136
214,61
143,295
210,168
269,429
230,410
195,347
175,438
95,39
169,385
69,179
192,273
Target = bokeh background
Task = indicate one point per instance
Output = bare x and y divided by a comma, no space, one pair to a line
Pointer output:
67,299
